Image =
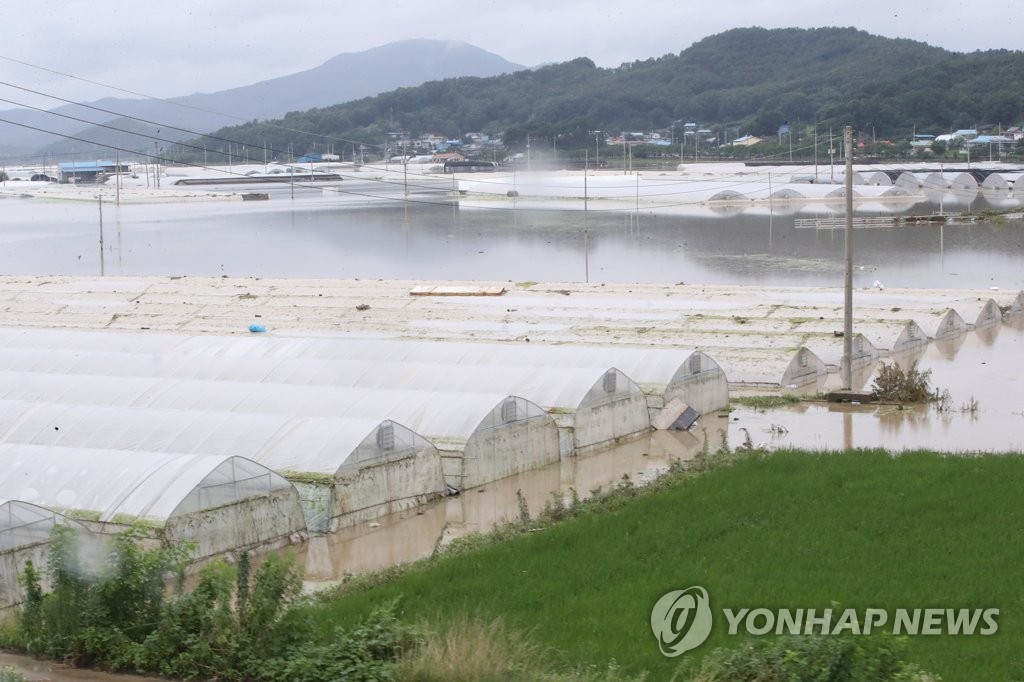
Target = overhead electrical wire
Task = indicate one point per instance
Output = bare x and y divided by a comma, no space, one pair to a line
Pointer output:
213,181
163,100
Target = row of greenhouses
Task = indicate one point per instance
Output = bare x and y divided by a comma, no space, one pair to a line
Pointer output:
234,443
246,442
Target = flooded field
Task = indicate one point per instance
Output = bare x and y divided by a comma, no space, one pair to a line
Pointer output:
368,234
371,233
984,410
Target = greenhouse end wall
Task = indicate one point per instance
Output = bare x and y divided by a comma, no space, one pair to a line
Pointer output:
372,491
701,384
496,453
261,523
12,566
603,423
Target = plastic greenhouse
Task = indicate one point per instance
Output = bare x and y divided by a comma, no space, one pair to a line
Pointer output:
806,373
559,378
346,470
25,531
220,504
452,421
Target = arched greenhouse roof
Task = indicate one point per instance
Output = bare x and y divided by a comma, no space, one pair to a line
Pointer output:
23,524
569,371
326,445
120,485
431,413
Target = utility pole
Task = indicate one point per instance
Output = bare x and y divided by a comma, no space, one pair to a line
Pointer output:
815,153
586,226
103,270
847,362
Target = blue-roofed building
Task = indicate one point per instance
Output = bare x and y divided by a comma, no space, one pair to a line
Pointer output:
89,171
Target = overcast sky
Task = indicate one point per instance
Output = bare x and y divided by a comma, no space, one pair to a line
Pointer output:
180,47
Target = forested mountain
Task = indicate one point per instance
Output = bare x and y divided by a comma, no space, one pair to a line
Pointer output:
747,80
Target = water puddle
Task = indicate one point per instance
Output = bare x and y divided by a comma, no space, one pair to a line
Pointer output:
49,671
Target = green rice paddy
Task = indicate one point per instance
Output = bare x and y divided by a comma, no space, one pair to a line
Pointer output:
787,530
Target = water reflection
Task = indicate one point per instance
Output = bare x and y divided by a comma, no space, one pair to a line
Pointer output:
316,237
948,347
984,410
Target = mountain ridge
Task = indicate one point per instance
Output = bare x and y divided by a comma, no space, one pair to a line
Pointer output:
350,75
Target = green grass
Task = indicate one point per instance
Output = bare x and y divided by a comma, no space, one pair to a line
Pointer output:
766,402
788,530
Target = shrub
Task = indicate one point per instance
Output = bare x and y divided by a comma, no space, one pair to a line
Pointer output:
236,624
894,385
820,658
367,653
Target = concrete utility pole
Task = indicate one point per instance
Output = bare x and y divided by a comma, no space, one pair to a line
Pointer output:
847,363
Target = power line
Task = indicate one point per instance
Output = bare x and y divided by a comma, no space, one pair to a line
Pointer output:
162,159
162,100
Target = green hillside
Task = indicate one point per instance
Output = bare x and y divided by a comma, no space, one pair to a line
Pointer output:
747,80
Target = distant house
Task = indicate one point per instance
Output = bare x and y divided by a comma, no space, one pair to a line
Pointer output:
990,139
447,156
89,171
316,158
432,140
746,141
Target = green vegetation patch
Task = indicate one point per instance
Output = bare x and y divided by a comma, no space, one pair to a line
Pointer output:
858,530
766,402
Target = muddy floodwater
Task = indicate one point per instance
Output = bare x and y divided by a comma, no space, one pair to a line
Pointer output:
417,533
49,671
983,412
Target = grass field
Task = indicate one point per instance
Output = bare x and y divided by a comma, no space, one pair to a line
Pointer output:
786,530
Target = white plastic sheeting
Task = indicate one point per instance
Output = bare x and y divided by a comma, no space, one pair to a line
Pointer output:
292,446
429,413
25,531
1003,181
220,504
120,485
806,373
552,376
302,444
23,524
